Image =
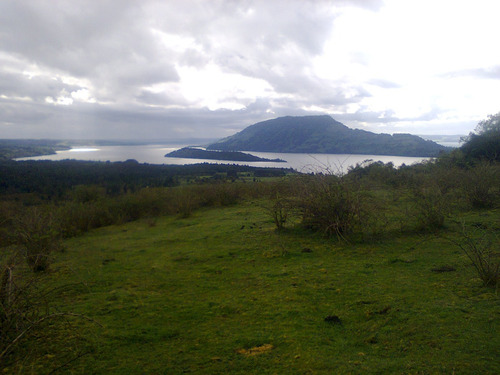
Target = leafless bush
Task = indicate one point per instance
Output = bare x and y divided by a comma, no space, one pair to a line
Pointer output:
431,207
18,308
279,209
26,317
483,250
38,236
330,204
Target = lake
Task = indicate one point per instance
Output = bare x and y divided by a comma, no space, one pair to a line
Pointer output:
154,154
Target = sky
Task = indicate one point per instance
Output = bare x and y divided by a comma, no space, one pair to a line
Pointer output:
178,69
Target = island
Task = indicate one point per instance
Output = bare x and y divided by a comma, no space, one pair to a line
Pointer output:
324,135
197,153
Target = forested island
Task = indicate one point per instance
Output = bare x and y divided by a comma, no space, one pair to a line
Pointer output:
196,153
324,135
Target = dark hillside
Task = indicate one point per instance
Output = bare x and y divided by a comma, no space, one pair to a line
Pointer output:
323,134
18,148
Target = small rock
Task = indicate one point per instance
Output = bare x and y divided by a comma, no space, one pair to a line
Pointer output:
333,319
106,261
385,310
443,269
372,340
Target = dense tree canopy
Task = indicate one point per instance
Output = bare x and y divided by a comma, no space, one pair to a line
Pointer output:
484,142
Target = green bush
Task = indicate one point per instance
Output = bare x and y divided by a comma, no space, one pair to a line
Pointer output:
481,185
484,143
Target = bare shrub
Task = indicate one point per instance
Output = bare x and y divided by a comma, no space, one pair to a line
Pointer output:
38,236
483,250
77,218
17,308
185,201
279,209
229,194
330,204
431,206
29,324
8,211
217,194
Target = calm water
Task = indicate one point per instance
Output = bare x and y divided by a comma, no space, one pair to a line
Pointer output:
154,154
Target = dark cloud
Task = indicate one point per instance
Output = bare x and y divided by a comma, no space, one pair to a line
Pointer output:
105,42
35,88
115,51
113,68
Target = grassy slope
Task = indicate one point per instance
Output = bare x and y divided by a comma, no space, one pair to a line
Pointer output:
186,295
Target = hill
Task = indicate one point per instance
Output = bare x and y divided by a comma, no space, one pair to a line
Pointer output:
205,293
19,148
323,135
196,153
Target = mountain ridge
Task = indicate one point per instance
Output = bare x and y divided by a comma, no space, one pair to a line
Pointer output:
323,135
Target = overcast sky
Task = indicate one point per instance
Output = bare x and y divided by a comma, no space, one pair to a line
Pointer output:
201,68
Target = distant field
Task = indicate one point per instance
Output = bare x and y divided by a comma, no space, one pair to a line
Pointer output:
223,292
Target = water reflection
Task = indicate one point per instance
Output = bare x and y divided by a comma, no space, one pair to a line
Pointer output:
154,154
81,150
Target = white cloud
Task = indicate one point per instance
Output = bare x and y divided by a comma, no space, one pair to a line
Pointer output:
212,88
396,65
83,95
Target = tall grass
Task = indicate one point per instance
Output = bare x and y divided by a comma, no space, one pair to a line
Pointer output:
81,214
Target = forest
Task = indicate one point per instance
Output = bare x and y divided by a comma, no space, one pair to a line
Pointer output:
87,244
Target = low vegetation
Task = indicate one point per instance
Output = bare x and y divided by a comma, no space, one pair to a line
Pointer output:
232,269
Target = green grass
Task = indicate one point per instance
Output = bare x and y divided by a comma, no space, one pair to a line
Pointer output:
187,295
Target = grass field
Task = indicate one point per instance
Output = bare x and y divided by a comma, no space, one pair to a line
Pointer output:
223,292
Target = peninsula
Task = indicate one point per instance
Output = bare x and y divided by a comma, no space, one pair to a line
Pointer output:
196,153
